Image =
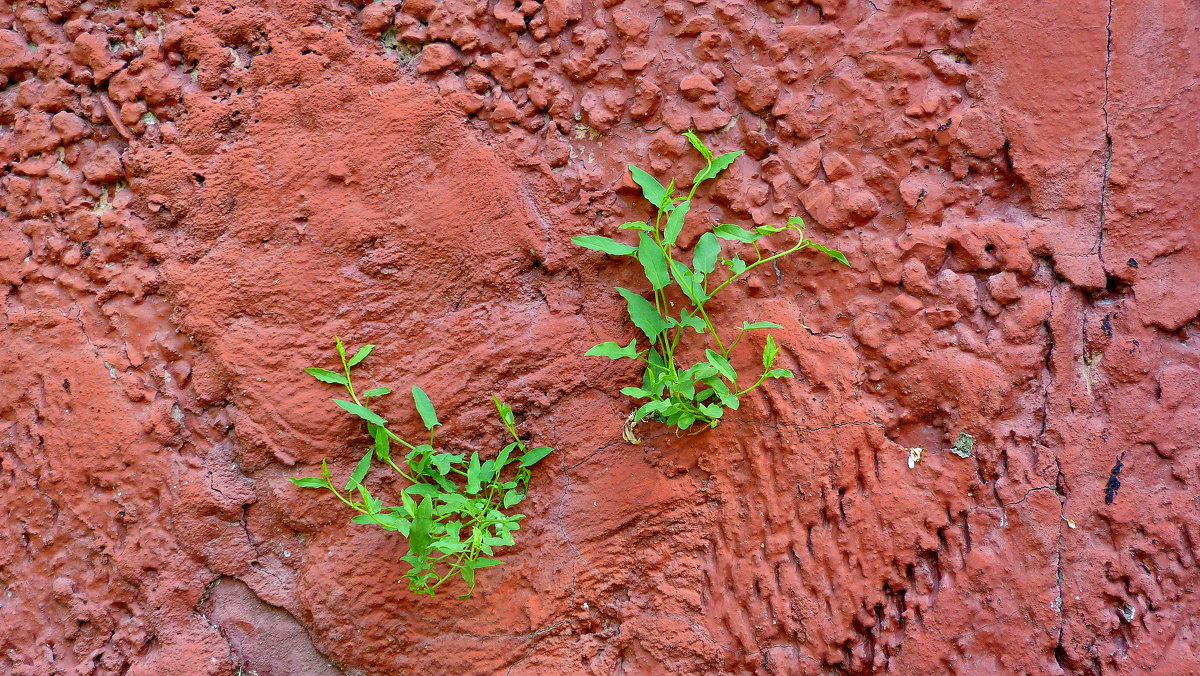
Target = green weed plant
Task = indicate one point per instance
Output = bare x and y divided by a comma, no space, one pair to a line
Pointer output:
702,392
453,511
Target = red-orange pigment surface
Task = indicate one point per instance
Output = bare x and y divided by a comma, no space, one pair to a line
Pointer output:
197,195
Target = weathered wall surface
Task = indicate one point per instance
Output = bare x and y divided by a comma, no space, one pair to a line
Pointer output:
198,195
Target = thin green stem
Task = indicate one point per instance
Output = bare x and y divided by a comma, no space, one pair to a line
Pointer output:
734,343
712,329
761,379
801,245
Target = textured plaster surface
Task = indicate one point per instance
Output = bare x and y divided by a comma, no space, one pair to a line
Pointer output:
195,196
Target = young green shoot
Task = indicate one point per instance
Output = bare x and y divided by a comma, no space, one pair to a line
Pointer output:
702,392
453,510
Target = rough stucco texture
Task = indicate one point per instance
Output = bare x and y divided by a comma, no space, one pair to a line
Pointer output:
197,195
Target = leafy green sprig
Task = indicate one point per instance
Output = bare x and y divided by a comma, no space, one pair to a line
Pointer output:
700,393
452,511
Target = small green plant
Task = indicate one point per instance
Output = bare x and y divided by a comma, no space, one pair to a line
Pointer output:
452,511
700,393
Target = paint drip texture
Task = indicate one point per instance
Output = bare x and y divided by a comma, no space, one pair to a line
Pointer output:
987,462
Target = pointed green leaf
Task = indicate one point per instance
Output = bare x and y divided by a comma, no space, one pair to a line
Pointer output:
654,191
512,497
372,504
608,246
535,455
796,221
504,410
418,536
341,349
698,145
361,354
719,163
770,350
309,482
736,233
360,411
768,229
614,350
832,253
383,443
376,392
675,222
635,392
502,458
637,225
750,326
704,258
473,474
643,314
425,408
327,376
360,471
421,489
780,373
653,260
721,364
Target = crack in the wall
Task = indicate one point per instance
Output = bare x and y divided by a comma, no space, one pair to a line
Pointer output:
1108,140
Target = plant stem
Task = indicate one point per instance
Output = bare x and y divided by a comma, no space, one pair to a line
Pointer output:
802,244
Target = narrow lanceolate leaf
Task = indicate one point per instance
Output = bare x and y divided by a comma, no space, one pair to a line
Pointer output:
653,261
341,349
614,350
360,471
651,188
698,145
779,373
383,443
722,365
704,258
636,225
361,354
502,457
360,411
750,326
832,253
309,482
473,474
770,350
376,392
608,246
720,163
418,535
736,233
643,314
425,408
327,376
675,222
535,455
505,411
